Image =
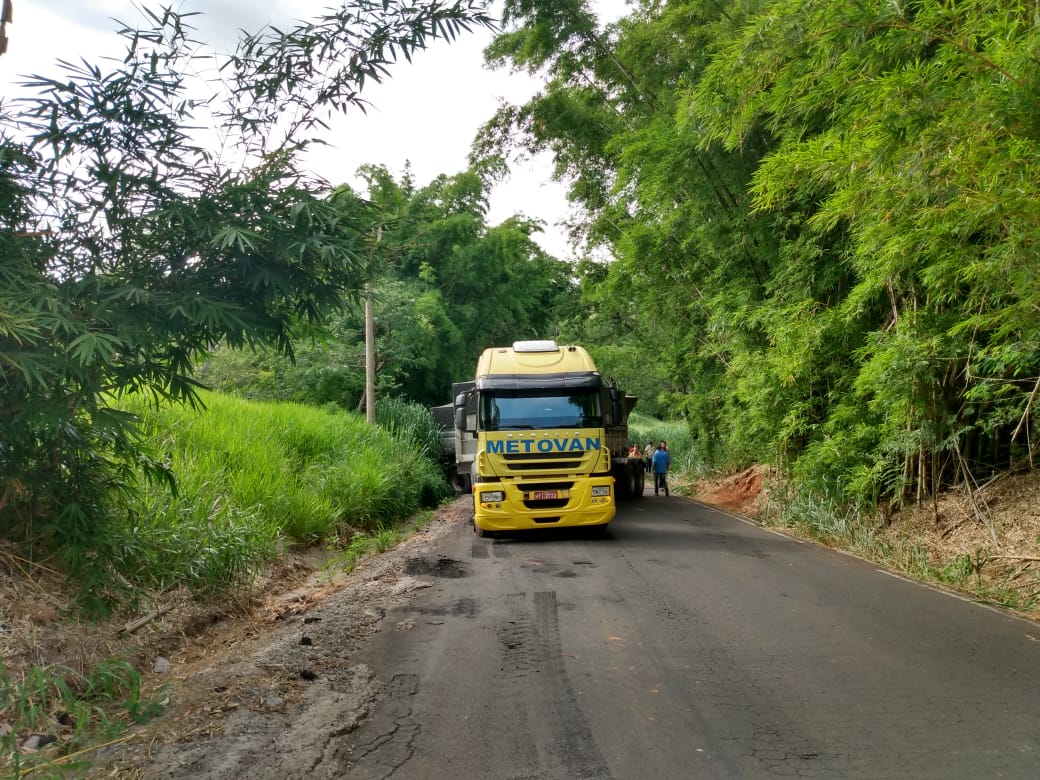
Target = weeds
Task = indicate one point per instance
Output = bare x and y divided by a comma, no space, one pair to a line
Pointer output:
963,567
68,712
344,559
823,519
361,544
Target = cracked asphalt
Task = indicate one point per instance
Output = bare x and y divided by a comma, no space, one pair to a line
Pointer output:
684,644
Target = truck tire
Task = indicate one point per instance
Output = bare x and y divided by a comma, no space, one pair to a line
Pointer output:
634,488
461,483
640,482
622,484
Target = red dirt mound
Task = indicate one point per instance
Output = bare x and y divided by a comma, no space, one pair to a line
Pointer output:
740,493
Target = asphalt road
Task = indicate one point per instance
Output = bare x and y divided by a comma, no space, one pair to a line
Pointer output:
689,644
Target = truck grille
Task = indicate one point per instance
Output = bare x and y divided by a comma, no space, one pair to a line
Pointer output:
536,461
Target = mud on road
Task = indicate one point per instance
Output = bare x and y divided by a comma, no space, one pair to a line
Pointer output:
291,691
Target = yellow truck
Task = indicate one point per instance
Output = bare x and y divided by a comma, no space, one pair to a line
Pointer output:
540,439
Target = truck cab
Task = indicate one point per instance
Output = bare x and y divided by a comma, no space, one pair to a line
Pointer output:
530,437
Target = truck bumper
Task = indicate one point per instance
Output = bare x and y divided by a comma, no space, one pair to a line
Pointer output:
519,510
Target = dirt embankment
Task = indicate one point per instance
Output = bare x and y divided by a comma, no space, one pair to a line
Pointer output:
744,493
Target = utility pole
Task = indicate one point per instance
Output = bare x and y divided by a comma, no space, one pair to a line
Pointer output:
370,337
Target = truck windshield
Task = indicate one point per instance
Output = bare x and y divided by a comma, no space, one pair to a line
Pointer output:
523,409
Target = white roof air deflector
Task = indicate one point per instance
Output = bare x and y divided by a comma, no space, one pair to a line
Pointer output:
542,345
577,380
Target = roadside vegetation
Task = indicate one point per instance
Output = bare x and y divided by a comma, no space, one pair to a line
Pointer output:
253,479
821,218
255,476
86,709
687,458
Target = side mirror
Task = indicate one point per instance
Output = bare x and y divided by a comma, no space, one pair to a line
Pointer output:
460,418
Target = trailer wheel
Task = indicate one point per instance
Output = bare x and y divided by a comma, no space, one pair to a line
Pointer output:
634,488
640,482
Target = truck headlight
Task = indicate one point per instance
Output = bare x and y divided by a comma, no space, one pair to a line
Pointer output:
492,496
600,490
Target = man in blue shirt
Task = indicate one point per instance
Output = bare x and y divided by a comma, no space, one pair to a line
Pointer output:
662,465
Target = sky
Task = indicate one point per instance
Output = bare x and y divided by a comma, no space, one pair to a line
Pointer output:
426,113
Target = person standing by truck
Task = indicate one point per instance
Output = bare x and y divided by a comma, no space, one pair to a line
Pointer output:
648,456
662,465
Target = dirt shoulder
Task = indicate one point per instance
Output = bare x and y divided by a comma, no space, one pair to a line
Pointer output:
214,664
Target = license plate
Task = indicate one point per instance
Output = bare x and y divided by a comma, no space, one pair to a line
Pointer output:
547,495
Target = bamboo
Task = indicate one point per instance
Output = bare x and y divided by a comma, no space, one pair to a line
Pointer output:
131,627
968,483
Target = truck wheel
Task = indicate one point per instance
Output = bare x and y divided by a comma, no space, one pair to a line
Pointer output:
480,531
633,483
640,483
622,486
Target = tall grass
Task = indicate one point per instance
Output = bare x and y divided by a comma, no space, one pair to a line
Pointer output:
689,458
253,476
825,520
411,422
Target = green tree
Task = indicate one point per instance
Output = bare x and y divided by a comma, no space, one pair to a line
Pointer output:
910,132
820,218
475,284
689,261
127,248
413,335
445,286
